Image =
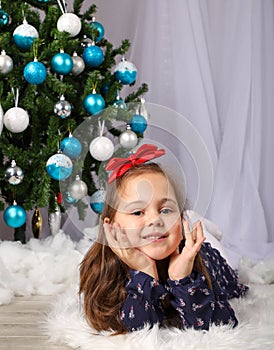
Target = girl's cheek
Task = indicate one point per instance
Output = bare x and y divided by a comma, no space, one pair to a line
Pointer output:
133,237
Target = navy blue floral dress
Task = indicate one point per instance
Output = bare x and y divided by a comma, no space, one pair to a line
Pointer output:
195,303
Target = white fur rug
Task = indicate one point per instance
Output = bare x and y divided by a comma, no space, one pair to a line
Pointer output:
66,325
50,267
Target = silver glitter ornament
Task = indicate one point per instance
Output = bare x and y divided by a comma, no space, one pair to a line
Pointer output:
62,108
55,220
128,139
14,174
6,63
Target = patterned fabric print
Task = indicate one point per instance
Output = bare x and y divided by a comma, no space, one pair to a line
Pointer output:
143,301
222,273
196,304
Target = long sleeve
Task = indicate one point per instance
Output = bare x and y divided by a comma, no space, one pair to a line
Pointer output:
221,273
197,305
143,302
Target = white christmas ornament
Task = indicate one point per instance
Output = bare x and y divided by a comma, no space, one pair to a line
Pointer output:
70,23
101,148
16,119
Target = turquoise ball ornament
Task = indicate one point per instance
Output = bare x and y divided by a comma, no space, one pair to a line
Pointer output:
100,29
4,18
120,103
105,89
15,216
43,0
71,147
97,201
125,72
138,123
24,36
93,56
35,72
68,199
62,63
59,166
94,103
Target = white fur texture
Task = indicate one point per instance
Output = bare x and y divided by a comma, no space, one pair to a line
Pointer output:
66,325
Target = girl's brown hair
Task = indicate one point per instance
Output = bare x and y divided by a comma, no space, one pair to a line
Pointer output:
103,275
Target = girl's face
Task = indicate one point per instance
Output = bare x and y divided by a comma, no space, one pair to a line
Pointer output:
149,215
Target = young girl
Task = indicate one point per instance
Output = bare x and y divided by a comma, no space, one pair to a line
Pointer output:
147,266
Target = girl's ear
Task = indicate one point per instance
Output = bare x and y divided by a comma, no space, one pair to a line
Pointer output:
106,220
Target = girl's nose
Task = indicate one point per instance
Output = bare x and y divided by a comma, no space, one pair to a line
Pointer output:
155,220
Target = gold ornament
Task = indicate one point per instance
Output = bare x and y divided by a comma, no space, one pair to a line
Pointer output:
36,223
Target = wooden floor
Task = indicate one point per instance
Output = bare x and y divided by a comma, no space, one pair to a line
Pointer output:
20,325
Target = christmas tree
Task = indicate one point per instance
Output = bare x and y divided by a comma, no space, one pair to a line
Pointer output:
60,84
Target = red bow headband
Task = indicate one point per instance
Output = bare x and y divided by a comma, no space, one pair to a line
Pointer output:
144,154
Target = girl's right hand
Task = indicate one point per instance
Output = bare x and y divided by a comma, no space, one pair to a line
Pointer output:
181,264
131,256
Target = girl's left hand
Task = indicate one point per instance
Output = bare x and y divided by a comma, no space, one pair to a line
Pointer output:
181,264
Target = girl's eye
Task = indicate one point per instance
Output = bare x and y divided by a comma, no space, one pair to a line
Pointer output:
166,211
137,213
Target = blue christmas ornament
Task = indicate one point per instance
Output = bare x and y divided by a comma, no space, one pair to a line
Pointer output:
97,201
42,0
59,166
138,123
68,199
99,27
93,56
24,35
4,18
15,216
105,89
71,147
94,103
35,72
62,63
120,103
125,72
